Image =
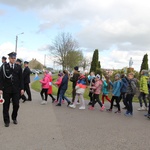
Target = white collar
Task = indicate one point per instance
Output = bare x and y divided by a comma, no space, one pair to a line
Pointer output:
10,64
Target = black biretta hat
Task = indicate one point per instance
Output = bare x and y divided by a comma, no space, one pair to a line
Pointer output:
12,55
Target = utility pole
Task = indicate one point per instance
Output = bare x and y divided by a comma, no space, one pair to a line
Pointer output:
17,41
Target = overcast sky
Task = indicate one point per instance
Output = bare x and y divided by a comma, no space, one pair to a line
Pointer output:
119,29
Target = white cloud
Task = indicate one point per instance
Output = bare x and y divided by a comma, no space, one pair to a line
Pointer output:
25,54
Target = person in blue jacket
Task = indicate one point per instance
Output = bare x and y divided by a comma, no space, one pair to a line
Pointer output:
63,88
123,90
116,93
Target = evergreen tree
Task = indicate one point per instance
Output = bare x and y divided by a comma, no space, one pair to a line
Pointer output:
144,64
94,63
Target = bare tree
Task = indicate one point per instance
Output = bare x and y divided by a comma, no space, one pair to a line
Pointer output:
63,44
85,63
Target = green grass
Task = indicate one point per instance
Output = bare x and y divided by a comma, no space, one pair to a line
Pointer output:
37,87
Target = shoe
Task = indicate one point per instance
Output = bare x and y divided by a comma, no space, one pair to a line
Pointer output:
43,102
128,114
58,104
117,112
6,124
23,100
109,110
69,103
146,115
124,108
90,103
72,106
63,101
82,108
102,108
91,108
15,121
144,108
56,101
29,99
140,109
53,100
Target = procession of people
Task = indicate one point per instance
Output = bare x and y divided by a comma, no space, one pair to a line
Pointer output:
14,82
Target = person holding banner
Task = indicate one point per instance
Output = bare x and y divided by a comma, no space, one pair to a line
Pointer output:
11,86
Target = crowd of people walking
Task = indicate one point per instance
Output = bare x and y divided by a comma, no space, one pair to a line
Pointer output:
123,88
14,82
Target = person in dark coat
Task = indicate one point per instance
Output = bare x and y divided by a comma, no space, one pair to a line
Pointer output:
74,80
124,85
26,80
18,61
63,88
11,86
4,60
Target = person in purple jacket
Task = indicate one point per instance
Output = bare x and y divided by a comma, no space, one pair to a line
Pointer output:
116,93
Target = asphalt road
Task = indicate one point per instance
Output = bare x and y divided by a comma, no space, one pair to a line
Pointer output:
47,127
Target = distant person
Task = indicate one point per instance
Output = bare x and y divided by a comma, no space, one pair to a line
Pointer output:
115,93
91,80
11,86
26,80
80,89
143,90
4,60
97,87
74,80
45,87
105,89
50,90
19,61
130,92
63,88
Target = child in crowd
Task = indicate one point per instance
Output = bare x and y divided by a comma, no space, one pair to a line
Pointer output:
148,115
143,89
50,90
63,88
97,86
105,89
45,87
80,89
91,80
58,83
116,93
124,85
131,91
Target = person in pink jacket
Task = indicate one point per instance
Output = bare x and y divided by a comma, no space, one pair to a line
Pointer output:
50,90
58,83
45,87
97,87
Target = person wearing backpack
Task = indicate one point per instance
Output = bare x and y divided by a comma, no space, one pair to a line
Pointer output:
124,85
131,91
143,90
148,114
